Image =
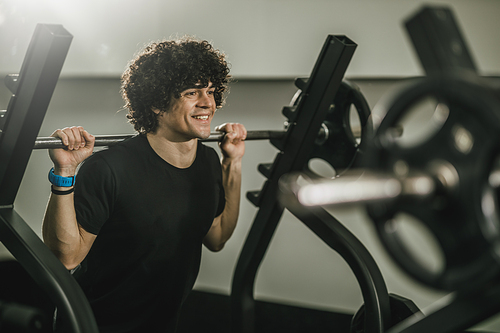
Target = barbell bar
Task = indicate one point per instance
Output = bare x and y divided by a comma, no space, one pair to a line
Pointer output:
109,140
361,187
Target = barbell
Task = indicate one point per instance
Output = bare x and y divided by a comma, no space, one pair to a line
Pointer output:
110,140
445,182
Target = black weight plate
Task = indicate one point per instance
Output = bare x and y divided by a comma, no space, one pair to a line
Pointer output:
468,143
342,148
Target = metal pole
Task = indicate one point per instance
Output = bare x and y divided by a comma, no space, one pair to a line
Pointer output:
353,188
109,140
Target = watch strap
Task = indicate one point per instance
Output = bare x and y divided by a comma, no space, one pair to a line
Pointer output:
61,181
71,190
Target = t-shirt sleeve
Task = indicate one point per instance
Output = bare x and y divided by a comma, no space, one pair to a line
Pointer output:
94,193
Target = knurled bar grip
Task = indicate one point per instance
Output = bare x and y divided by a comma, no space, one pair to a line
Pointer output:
109,140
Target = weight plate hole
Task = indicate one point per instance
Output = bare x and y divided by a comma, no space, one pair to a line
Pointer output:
490,226
355,125
489,206
321,168
420,123
419,242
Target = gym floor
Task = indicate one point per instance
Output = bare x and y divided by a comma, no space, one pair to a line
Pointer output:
209,312
202,311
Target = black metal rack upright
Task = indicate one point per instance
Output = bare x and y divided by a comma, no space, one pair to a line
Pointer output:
305,119
32,90
438,41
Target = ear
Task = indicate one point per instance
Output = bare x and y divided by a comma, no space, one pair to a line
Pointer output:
155,110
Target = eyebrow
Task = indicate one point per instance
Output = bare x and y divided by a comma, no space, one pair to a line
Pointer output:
199,86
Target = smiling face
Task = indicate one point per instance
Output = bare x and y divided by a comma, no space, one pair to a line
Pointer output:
189,116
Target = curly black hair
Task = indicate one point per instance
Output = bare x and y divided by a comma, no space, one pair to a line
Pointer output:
163,70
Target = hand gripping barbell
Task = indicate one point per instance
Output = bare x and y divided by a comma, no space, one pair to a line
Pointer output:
448,181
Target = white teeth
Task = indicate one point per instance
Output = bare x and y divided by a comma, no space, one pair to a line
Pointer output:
201,117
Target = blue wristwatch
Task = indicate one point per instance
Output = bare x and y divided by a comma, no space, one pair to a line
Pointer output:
61,181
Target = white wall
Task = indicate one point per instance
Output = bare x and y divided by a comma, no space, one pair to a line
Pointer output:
263,38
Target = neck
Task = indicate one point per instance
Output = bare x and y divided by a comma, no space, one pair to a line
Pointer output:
180,154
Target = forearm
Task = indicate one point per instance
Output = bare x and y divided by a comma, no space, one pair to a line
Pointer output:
224,225
231,180
233,149
60,230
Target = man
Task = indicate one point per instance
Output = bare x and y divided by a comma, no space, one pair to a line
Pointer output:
132,226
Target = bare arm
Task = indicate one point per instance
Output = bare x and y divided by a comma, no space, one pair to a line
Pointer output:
233,149
60,229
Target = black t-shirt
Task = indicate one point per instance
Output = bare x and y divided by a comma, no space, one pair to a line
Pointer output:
150,218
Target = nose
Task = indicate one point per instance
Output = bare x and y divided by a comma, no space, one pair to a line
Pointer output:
206,100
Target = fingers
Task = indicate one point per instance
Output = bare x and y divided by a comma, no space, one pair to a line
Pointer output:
233,144
79,146
89,139
234,132
74,137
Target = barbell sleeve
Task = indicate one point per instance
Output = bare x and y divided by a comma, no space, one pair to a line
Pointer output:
109,140
354,188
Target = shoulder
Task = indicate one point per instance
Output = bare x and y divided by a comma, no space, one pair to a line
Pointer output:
115,156
210,158
207,152
120,150
130,146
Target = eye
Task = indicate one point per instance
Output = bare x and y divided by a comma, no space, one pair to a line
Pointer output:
190,93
